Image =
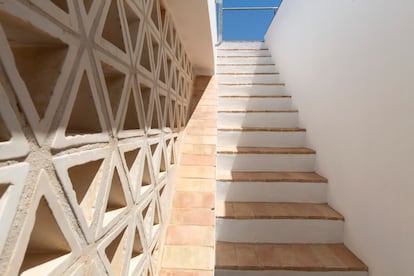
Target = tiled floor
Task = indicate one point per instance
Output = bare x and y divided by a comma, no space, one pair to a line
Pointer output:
189,243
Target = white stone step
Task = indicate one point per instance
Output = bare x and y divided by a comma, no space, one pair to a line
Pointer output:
242,53
245,60
255,103
284,119
271,191
246,69
279,230
252,90
248,78
266,162
261,138
265,222
224,272
237,45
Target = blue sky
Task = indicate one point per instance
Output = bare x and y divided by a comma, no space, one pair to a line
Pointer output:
247,25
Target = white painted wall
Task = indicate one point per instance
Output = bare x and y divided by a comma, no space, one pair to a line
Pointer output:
350,67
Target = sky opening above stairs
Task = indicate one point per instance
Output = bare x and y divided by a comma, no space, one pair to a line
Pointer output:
247,24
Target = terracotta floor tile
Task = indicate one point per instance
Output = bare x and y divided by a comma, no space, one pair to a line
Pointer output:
195,184
193,200
208,172
188,257
198,160
205,131
199,149
190,235
199,139
190,216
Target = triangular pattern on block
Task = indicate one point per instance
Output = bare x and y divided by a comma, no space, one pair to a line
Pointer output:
116,201
84,118
155,44
162,76
146,176
87,4
134,22
115,82
42,248
164,109
131,117
62,4
145,53
137,251
155,14
112,29
116,254
5,134
39,59
86,180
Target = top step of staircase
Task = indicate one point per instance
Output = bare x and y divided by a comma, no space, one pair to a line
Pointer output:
242,45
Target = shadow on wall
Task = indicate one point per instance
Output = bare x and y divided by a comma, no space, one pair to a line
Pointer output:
94,97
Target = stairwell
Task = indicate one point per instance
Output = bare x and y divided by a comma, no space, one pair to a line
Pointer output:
272,216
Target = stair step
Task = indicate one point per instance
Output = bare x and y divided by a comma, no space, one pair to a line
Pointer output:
320,258
267,129
257,118
248,78
251,68
243,53
260,104
257,111
306,192
242,45
254,97
263,150
258,138
244,176
275,210
244,60
251,90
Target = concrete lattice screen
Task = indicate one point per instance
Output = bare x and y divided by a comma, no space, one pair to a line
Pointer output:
94,97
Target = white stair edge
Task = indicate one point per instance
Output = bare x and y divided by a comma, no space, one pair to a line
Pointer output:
261,138
224,272
279,230
254,103
266,162
258,119
271,192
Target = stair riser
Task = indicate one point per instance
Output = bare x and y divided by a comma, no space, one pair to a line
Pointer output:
244,53
242,45
246,69
266,162
254,78
252,90
254,103
259,119
279,230
261,139
271,192
223,272
245,60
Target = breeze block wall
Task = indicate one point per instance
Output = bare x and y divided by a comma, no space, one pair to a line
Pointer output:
94,96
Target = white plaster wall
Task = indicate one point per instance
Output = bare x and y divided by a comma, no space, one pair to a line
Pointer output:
349,66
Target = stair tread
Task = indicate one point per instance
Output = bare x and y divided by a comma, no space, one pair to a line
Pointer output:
273,129
253,96
299,257
247,74
275,210
248,176
257,111
252,84
264,150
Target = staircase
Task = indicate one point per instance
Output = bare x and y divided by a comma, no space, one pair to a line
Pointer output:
271,212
